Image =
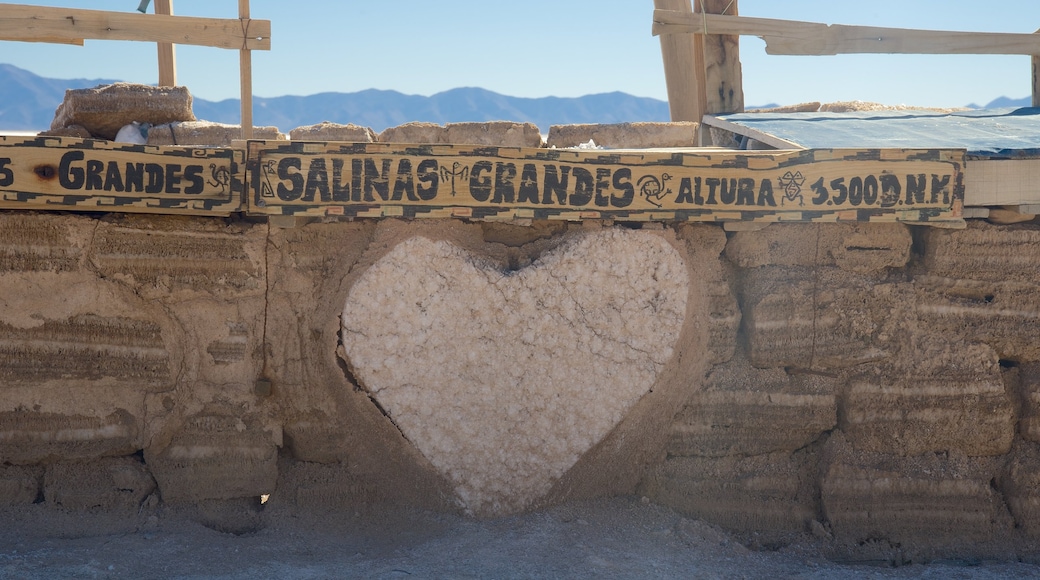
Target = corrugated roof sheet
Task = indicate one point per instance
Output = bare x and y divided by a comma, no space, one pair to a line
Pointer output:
993,133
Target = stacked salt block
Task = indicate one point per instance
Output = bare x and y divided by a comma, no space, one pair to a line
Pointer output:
982,284
121,330
218,454
504,382
740,453
415,132
20,485
326,131
625,135
105,109
943,499
887,374
491,133
206,134
112,483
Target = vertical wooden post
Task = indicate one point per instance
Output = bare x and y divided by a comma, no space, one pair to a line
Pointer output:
683,56
723,78
1036,80
245,66
167,57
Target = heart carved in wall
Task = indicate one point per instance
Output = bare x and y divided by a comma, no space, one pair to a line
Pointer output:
502,380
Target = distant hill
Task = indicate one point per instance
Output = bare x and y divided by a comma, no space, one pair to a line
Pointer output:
27,102
1005,102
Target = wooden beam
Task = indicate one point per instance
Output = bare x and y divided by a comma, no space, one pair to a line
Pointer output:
54,40
245,68
19,22
1036,77
723,78
792,37
683,57
167,56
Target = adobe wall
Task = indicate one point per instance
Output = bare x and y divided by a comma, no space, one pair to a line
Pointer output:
875,385
871,382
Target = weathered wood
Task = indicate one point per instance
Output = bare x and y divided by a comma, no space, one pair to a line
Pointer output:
385,179
167,56
723,83
1035,60
792,37
683,57
771,140
245,68
63,173
19,22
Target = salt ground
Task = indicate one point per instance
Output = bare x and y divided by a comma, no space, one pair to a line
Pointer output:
614,538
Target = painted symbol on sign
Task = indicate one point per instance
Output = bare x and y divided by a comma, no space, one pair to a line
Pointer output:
653,189
457,170
792,186
268,169
221,177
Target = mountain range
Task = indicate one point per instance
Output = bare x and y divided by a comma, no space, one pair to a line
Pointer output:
27,103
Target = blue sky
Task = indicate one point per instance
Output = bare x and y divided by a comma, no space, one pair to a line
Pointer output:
540,48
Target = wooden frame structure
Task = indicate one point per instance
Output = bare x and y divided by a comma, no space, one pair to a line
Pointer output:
73,26
688,31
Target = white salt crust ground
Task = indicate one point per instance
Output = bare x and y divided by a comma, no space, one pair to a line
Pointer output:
503,380
611,538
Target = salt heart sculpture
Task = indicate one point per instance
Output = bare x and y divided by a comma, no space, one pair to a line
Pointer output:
502,380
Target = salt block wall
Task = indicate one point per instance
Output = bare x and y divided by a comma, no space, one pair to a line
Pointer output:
873,383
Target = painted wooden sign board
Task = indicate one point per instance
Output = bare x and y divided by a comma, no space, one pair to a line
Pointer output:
64,173
381,179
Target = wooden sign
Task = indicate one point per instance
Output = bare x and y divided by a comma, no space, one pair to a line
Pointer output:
375,180
52,173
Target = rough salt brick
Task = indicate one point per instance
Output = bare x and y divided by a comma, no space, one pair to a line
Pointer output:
1020,484
416,132
71,131
217,455
326,131
625,135
1002,314
19,485
861,247
111,483
104,109
34,437
1026,380
926,499
822,317
32,242
984,252
747,411
206,133
761,494
494,134
948,398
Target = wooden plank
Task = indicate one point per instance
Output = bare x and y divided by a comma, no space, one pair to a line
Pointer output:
1035,61
768,139
55,40
683,57
19,22
167,57
792,37
998,182
499,183
245,70
64,173
723,78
